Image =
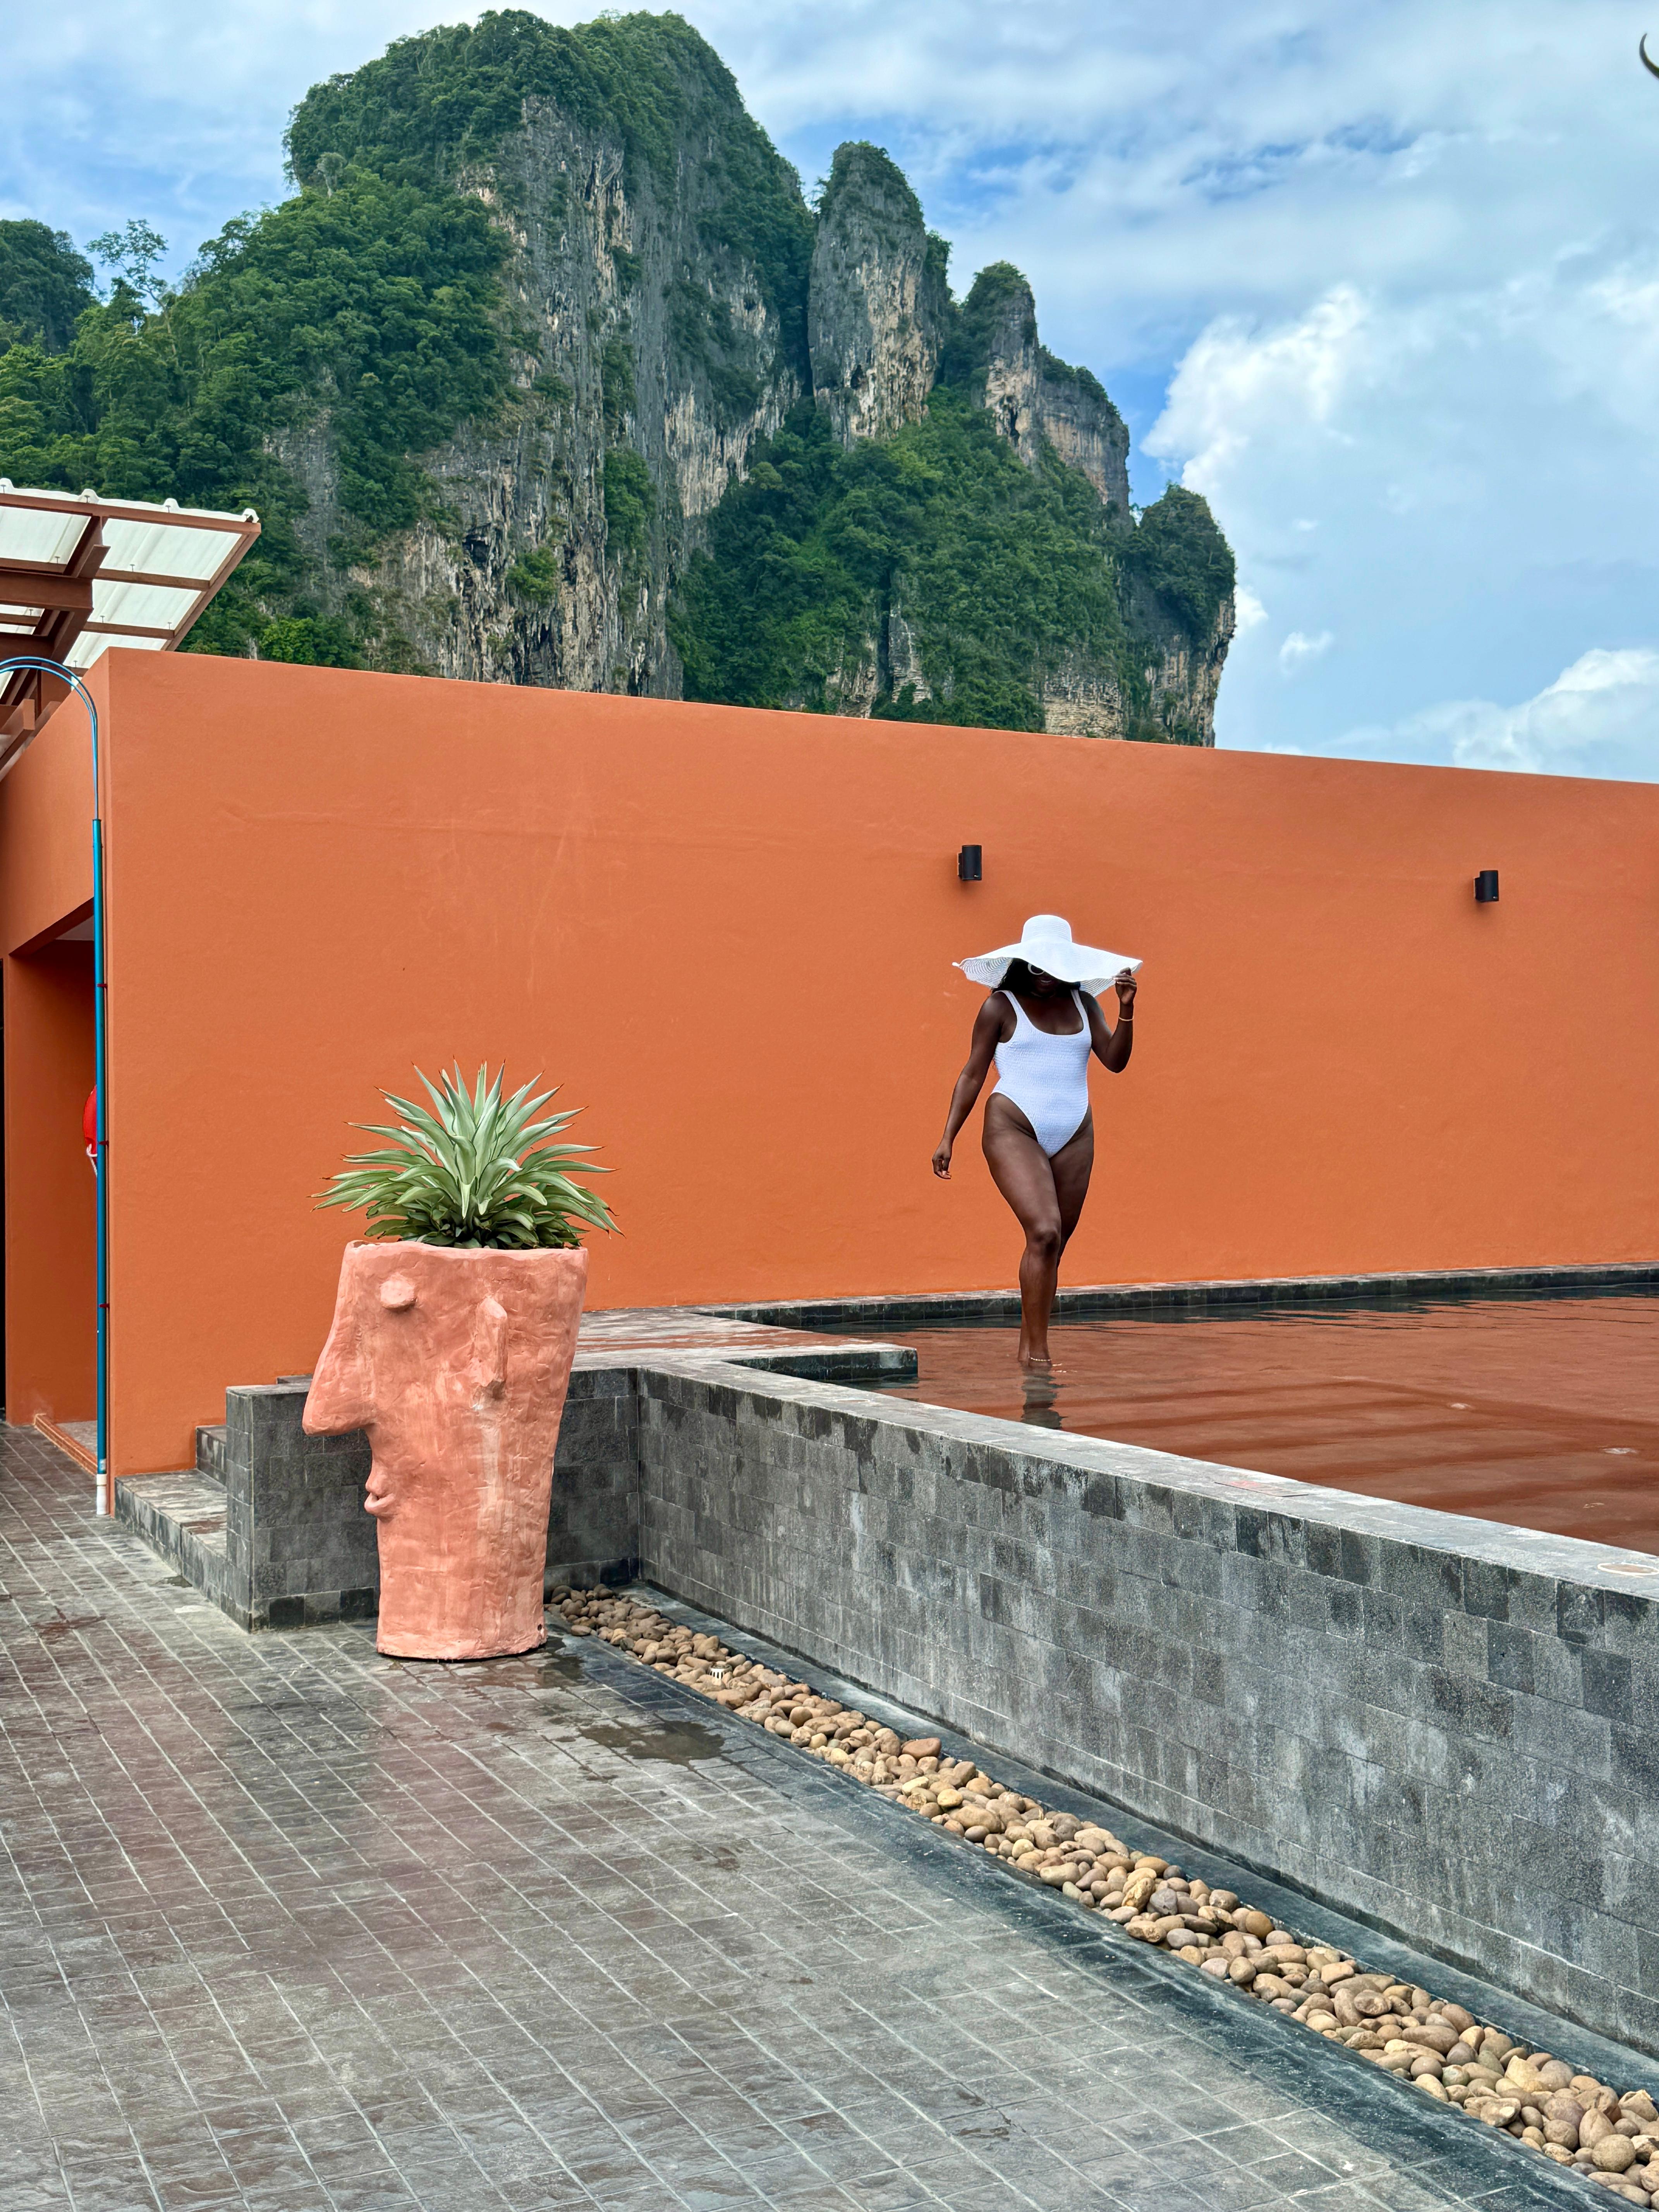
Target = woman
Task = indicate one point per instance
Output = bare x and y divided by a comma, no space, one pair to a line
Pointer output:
1040,1026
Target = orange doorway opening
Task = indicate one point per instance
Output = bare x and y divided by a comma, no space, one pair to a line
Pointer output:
50,1210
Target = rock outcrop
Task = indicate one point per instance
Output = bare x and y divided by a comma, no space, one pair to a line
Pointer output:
1031,395
878,308
670,298
1184,678
1179,678
650,350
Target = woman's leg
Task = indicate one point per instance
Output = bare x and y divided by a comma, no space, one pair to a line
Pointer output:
1072,1165
1021,1170
1071,1168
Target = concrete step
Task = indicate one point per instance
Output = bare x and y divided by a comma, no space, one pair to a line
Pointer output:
210,1440
182,1517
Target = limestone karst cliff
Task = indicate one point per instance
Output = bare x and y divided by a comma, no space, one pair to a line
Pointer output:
656,271
878,303
549,374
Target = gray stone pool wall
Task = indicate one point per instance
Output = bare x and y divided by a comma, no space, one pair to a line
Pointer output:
1448,1729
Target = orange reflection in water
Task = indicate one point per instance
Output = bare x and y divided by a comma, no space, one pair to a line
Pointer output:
1541,1412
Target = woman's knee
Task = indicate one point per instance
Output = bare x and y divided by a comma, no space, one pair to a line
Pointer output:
1044,1240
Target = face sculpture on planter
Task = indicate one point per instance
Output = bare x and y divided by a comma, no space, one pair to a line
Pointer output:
456,1362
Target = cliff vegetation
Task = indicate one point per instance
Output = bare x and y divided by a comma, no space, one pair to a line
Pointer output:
547,372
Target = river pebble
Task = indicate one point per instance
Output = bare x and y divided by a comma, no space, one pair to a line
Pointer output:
1610,2137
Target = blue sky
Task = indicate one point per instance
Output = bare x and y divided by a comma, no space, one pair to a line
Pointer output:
1382,281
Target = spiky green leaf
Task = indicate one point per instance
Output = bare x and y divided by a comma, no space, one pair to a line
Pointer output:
476,1168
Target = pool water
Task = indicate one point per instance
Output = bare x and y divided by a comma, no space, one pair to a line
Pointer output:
1542,1413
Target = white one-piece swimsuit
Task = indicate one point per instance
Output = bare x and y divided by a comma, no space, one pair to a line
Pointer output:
1047,1077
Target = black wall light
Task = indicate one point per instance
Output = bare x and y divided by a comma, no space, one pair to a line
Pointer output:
970,866
1485,887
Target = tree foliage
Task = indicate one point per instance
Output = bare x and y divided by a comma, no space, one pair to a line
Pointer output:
630,502
535,576
315,640
45,286
619,396
133,253
1179,551
444,101
998,570
377,300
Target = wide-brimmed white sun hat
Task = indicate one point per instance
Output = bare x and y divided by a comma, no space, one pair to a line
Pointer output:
1046,942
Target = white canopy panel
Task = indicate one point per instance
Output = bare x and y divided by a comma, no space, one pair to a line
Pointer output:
79,574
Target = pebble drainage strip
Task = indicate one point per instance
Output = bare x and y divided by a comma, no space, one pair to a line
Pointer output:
1571,2119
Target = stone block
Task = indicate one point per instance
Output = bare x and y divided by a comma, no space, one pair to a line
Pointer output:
1422,1573
1486,1588
1578,1613
1563,1735
1607,1684
1631,1623
1634,1759
1511,1654
1361,1556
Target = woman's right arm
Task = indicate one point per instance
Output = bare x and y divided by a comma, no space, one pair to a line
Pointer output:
987,1035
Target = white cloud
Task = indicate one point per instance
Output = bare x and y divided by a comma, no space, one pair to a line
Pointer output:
1298,647
1233,379
1599,717
171,110
1483,472
1249,613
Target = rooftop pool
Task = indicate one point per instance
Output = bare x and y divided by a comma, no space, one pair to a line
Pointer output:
1540,1412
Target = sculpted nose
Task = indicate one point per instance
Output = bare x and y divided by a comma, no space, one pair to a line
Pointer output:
338,1399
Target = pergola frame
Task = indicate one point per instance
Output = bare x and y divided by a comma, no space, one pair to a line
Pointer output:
51,610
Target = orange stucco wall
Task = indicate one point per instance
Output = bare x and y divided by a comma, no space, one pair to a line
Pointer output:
728,935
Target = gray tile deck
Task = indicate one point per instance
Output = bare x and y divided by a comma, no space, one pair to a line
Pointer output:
286,1925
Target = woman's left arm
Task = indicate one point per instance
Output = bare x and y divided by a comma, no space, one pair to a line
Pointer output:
1113,1047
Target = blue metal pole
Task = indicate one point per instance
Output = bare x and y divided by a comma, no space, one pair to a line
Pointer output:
100,1064
101,1052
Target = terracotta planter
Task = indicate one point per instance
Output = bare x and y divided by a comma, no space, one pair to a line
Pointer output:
456,1362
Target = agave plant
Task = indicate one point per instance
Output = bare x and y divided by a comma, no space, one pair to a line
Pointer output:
478,1170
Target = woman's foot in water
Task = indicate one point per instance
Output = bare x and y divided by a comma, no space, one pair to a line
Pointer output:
1040,1396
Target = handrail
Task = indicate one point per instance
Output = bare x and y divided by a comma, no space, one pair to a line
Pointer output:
101,1047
